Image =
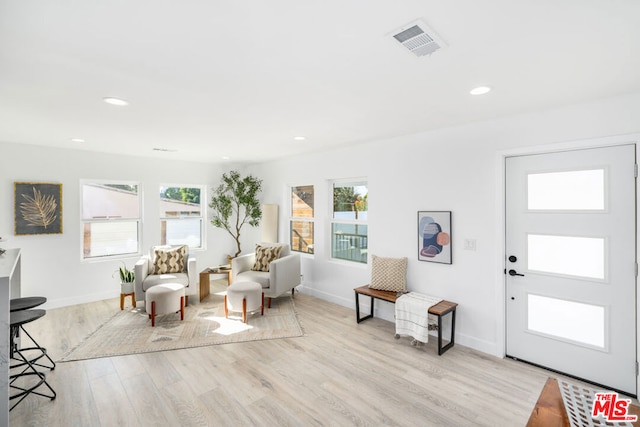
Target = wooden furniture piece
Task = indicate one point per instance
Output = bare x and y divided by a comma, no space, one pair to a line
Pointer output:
439,310
550,411
123,296
388,296
204,279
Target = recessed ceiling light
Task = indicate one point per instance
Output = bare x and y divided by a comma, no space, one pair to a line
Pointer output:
299,138
115,101
165,150
77,140
225,157
480,90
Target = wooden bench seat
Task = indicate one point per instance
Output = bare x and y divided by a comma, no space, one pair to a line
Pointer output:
439,310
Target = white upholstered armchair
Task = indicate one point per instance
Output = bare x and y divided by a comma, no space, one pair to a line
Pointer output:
177,268
283,273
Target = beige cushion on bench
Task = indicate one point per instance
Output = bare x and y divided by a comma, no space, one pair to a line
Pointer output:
388,274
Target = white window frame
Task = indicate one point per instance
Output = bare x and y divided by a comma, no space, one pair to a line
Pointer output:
201,217
310,220
110,220
351,240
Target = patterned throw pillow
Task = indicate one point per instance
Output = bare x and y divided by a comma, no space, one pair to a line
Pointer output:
170,260
389,274
264,256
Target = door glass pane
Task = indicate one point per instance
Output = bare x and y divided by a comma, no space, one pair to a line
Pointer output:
582,323
574,190
572,256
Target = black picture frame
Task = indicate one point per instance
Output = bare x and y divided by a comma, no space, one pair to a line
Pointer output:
37,208
434,236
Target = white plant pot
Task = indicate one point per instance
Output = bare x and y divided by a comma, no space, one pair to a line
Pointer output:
126,288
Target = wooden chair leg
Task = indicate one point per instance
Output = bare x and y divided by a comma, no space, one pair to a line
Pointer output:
244,310
121,301
262,306
181,308
226,310
293,291
153,314
133,300
186,300
269,306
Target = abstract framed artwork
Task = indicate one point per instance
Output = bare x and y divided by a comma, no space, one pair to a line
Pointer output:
434,236
37,208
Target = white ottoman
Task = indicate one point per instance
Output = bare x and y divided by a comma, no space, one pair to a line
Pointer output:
244,297
164,299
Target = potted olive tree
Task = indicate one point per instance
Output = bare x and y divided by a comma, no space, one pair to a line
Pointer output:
235,203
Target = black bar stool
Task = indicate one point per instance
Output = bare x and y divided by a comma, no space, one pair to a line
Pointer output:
26,303
17,320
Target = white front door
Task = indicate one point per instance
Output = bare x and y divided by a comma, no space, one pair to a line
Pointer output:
571,263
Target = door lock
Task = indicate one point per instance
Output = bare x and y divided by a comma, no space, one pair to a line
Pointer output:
512,258
512,272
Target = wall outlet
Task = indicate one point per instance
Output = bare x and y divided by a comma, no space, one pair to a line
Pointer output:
469,244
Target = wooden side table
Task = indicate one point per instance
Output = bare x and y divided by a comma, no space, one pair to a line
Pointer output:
204,279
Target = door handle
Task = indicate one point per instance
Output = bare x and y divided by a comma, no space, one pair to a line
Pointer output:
512,272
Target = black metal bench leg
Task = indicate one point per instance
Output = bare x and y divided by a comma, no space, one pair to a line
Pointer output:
368,316
442,349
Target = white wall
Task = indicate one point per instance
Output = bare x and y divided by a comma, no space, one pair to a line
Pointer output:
456,169
51,264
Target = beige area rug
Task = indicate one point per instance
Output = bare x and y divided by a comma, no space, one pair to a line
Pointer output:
130,332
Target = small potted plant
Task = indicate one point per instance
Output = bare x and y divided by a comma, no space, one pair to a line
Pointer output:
127,277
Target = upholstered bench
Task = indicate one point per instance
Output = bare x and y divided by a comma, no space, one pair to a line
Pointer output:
244,297
164,299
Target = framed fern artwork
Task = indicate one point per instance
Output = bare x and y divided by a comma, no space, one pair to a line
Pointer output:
37,208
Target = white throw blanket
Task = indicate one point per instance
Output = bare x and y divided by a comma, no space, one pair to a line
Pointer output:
412,317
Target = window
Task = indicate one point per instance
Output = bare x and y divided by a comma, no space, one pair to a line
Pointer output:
110,219
301,223
181,216
349,229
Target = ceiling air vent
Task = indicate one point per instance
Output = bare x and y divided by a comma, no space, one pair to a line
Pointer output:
418,38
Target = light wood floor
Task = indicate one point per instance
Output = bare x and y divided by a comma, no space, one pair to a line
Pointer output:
340,373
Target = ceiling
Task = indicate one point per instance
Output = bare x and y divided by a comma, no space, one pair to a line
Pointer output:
241,78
